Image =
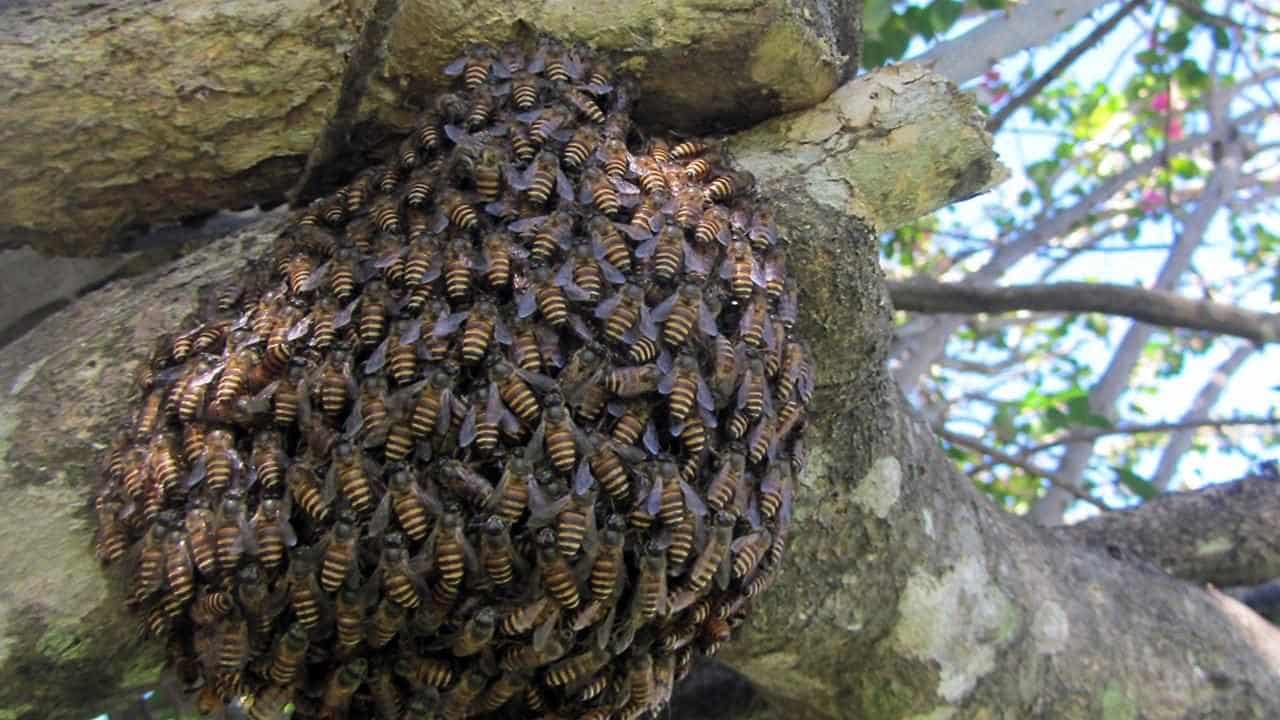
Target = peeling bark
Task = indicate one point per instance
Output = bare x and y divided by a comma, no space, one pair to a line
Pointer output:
1221,534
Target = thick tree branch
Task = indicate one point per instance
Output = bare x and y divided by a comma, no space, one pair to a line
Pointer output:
1156,307
1021,26
1221,534
1054,71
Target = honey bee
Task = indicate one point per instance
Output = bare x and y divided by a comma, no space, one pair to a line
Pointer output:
457,269
272,532
555,571
312,496
748,551
752,390
386,696
466,483
451,549
500,692
511,497
352,475
191,398
524,90
728,483
741,270
582,666
233,535
457,700
411,505
711,560
336,385
309,603
714,226
581,146
338,552
483,105
680,312
385,214
543,177
431,412
459,211
341,685
647,217
557,431
623,310
615,158
288,654
553,232
762,441
496,552
775,492
667,250
473,66
608,245
688,206
179,573
687,149
607,195
754,328
476,633
399,580
683,385
522,144
632,382
498,248
632,424
584,104
544,123
697,169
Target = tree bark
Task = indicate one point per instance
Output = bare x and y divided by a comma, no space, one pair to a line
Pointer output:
114,115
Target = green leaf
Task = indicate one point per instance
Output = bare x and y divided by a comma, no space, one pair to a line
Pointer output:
1221,39
1184,167
1189,74
1025,198
874,15
874,54
991,4
1149,57
1177,42
944,13
1135,483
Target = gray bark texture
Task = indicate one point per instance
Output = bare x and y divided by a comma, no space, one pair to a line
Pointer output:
191,106
906,594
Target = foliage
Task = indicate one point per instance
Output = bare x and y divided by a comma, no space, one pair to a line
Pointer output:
1150,160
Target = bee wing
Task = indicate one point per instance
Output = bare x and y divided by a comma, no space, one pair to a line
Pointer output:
378,359
647,248
456,134
445,421
651,439
456,67
653,503
668,381
381,516
439,222
635,232
390,258
583,480
660,313
707,321
757,273
447,324
628,453
526,304
538,381
343,318
286,529
564,187
528,117
467,433
611,273
355,421
647,328
692,500
542,509
196,475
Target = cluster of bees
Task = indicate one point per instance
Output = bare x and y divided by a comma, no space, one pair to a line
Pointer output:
508,425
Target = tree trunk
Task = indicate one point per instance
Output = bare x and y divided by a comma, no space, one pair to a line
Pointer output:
905,593
119,114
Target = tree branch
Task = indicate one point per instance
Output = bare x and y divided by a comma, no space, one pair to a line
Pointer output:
1156,307
1068,58
1079,434
1221,534
1020,26
1002,457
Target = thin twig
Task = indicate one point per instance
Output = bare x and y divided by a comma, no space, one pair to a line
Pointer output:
978,446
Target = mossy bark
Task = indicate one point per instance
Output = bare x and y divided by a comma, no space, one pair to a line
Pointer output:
115,115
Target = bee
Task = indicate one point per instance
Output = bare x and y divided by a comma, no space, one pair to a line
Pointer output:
570,671
513,387
748,550
775,492
697,169
711,560
741,270
632,382
272,532
511,497
386,696
191,397
288,654
688,206
558,433
352,477
553,232
374,308
649,598
232,646
607,567
483,105
312,496
682,538
422,184
232,536
459,211
484,417
457,700
752,389
543,177
179,573
338,552
728,483
608,245
476,633
482,326
112,538
576,522
789,417
522,144
451,548
473,66
349,618
640,679
683,385
356,193
486,174
336,385
341,685
762,232
607,195
399,580
680,312
623,310
496,552
498,248
667,250
385,214
554,569
210,606
647,217
632,423
762,441
500,692
524,90
431,412
524,346
466,483
584,104
581,146
686,149
309,603
457,270
425,672
544,123
411,505
713,227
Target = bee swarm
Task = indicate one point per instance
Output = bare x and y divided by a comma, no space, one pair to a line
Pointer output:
507,426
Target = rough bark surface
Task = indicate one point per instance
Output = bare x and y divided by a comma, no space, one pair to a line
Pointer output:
191,106
1222,534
